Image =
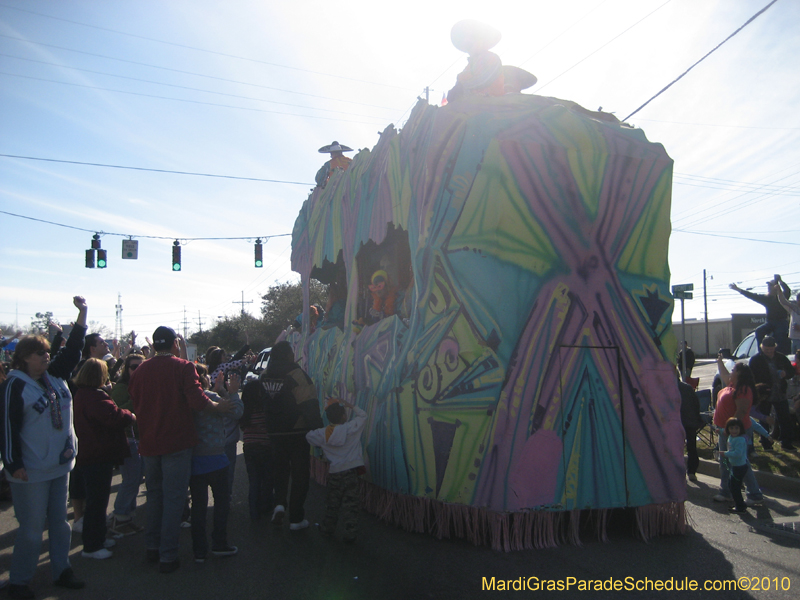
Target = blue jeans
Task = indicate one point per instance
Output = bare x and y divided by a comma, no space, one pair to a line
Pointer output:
167,478
753,491
779,329
33,502
199,484
230,452
258,460
131,471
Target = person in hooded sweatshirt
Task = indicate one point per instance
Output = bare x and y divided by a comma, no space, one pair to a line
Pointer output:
39,444
291,409
341,443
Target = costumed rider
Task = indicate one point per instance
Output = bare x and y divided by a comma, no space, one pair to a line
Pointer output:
384,296
485,74
338,161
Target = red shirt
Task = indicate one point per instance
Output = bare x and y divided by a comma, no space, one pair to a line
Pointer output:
726,407
165,390
100,426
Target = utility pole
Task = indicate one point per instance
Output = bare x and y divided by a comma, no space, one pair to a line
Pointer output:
185,324
242,302
705,307
118,325
427,93
199,322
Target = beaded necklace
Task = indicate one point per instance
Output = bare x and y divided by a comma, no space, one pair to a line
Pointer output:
54,402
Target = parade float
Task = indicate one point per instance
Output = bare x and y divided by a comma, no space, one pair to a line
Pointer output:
501,267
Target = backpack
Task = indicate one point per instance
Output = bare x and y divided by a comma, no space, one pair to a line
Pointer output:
281,411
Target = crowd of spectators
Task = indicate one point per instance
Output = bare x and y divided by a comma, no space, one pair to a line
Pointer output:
74,410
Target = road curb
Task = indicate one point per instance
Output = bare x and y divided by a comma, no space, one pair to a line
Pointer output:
770,481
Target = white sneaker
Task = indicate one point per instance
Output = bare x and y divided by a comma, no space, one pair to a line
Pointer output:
109,543
278,514
297,526
722,498
98,554
226,551
77,526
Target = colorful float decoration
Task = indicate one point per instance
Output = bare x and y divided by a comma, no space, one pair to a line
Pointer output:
521,386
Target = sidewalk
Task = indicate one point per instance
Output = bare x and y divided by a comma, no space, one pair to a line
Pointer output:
768,481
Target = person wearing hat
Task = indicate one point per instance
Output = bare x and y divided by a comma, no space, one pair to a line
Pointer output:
483,75
338,161
384,296
777,323
165,390
774,370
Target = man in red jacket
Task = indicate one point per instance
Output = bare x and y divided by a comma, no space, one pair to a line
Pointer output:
165,390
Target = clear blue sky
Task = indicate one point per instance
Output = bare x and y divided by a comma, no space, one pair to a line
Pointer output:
253,89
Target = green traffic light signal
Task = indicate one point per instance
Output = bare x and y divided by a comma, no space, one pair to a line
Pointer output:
101,259
259,255
176,256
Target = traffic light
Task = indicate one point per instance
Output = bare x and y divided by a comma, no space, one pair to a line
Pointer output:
259,254
90,254
176,256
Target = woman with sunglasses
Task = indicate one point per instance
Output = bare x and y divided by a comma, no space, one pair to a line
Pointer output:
131,470
39,447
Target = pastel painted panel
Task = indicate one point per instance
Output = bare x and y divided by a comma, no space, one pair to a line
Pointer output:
529,366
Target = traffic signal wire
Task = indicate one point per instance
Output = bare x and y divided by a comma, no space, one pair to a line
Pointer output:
152,237
76,162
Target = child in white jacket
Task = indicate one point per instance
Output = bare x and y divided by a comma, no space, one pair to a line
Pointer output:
341,443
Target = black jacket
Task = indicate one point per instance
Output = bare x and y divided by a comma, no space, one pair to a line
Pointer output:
690,407
775,310
760,366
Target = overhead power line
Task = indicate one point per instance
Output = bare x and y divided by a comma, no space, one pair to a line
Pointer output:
274,112
135,236
564,32
76,162
735,206
734,237
735,188
253,60
720,181
143,64
540,88
750,20
193,89
719,125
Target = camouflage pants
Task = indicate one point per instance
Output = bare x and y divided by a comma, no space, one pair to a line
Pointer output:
342,500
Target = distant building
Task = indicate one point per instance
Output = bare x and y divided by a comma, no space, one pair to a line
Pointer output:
722,333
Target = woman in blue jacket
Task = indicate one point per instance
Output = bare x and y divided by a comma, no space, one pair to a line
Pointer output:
39,447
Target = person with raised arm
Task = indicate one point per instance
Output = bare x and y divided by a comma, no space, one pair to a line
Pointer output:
39,447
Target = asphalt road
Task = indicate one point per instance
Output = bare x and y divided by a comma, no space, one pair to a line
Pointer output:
386,562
